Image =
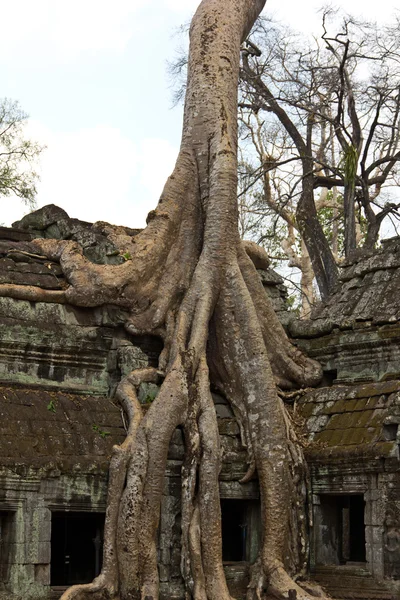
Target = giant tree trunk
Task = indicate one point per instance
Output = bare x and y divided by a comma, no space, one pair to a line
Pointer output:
191,281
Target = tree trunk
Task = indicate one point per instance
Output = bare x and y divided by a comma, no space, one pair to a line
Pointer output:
323,263
350,241
307,283
191,282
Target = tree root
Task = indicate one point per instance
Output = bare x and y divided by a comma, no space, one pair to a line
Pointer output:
32,293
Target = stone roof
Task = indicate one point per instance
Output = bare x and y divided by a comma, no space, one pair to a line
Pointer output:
369,292
39,427
362,420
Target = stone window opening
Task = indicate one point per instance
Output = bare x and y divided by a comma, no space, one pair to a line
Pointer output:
6,529
390,431
341,530
328,378
240,530
76,547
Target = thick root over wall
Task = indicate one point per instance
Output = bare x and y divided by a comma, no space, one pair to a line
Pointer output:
191,281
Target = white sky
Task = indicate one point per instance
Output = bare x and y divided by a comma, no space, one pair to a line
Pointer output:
92,76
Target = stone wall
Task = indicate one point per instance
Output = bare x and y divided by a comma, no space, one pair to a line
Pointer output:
353,454
355,334
28,501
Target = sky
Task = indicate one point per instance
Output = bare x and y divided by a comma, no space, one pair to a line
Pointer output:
92,75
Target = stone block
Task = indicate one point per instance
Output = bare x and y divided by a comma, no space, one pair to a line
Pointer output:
163,572
224,411
176,452
316,423
376,535
236,490
42,553
165,556
131,357
45,526
228,427
218,399
18,553
22,576
373,493
172,591
177,437
42,574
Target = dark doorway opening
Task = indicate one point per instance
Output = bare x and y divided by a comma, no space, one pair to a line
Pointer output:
234,530
76,547
354,507
342,529
240,530
6,529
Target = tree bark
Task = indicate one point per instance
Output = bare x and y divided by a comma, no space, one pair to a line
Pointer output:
191,281
323,263
350,238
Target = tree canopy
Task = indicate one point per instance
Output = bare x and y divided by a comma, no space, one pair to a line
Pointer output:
322,119
18,155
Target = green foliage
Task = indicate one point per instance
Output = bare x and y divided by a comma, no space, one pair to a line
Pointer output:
150,396
348,164
147,393
18,155
51,407
333,215
100,431
330,215
293,305
127,256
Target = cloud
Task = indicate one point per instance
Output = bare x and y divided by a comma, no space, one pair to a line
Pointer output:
66,28
88,172
181,5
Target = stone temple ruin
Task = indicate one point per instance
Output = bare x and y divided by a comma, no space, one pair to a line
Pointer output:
60,365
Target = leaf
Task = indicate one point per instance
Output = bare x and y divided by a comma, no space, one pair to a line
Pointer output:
100,431
51,407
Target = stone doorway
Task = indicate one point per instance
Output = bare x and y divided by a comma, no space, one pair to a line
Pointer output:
6,534
76,547
240,530
341,533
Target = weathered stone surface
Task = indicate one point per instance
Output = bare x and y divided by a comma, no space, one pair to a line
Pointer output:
53,222
60,346
15,234
344,417
357,354
39,427
369,292
41,219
